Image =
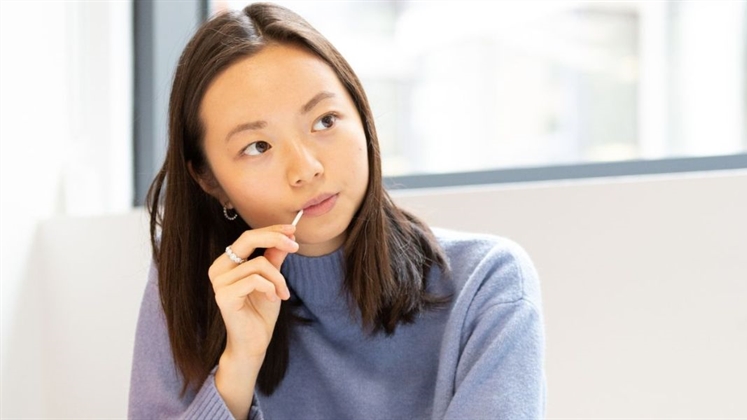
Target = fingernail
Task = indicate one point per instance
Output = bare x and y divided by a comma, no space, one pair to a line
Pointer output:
293,243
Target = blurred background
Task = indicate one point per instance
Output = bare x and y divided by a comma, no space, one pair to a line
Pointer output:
607,137
465,86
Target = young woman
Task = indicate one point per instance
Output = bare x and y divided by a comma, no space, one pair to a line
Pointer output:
360,311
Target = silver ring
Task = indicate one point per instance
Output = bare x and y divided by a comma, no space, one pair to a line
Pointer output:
235,258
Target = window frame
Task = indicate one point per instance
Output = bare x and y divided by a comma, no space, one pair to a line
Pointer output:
159,30
570,172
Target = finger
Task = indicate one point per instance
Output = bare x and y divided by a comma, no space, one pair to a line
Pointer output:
233,297
270,237
277,256
277,236
259,265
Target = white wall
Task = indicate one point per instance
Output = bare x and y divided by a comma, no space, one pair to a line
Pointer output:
80,301
644,282
65,148
93,278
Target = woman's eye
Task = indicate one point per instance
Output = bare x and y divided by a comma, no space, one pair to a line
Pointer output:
325,123
257,148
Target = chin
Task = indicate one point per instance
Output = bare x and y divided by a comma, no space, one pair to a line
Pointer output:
320,243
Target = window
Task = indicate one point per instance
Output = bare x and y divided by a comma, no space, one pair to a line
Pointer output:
463,86
478,86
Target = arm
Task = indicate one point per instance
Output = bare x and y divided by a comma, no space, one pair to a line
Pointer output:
492,360
248,295
155,385
500,372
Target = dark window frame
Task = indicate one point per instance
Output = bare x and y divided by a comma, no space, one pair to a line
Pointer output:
161,30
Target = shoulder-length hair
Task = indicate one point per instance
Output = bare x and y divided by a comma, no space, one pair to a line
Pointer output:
388,252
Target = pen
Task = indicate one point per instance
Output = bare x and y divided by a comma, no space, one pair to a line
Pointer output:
298,217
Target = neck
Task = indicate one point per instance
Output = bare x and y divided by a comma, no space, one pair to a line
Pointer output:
317,249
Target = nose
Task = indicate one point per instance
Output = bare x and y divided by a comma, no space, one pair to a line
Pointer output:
303,165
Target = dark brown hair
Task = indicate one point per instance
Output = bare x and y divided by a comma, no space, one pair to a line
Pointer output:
388,252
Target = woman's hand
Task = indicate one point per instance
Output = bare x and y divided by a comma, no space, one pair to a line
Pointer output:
249,296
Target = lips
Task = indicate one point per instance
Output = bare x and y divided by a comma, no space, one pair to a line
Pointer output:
320,204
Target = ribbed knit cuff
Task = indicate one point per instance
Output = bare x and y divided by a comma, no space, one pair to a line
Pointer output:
254,412
208,403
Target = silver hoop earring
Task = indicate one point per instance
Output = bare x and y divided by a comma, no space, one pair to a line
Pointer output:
225,213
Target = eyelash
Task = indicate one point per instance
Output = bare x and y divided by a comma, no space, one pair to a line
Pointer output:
243,151
334,116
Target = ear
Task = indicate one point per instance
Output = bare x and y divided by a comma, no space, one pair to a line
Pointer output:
206,180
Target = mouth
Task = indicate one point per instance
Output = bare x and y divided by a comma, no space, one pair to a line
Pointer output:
320,204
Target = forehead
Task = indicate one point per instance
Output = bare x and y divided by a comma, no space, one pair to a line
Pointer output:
278,77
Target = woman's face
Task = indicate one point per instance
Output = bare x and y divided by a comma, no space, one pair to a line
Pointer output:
282,134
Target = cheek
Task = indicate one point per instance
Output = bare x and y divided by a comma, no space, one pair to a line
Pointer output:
362,165
357,168
257,203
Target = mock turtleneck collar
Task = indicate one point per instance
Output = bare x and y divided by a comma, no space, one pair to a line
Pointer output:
317,281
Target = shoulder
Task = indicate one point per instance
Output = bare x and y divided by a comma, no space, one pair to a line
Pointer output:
152,281
151,308
489,268
493,338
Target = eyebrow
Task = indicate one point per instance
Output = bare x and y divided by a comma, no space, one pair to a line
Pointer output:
315,100
258,125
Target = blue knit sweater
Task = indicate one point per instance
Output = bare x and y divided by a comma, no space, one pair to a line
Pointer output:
481,357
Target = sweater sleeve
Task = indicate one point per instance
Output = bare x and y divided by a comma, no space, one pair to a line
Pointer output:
495,352
155,384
